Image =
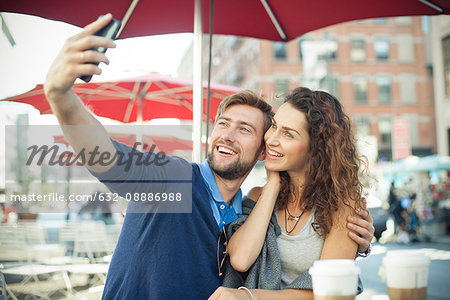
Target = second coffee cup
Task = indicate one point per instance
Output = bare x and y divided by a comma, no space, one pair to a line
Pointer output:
406,273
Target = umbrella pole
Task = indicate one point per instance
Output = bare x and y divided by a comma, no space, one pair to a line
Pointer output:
197,108
127,16
274,20
140,121
432,5
211,14
140,96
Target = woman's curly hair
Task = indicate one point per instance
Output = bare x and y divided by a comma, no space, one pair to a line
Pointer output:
332,176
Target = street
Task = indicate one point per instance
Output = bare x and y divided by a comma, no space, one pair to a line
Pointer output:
438,278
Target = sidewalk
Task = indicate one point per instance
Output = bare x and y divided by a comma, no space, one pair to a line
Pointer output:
438,252
441,239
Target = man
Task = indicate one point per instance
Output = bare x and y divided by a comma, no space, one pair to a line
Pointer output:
167,256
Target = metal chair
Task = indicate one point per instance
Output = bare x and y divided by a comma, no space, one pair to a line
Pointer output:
3,295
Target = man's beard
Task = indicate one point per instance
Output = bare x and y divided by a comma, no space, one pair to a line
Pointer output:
236,170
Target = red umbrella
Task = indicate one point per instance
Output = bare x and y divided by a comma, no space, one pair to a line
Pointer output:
129,99
265,19
166,144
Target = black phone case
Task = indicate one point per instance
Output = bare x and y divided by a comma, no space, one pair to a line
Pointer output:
109,31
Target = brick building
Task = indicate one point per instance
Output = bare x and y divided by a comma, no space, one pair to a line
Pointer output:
440,54
378,68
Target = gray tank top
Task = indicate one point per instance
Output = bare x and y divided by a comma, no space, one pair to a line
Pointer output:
298,252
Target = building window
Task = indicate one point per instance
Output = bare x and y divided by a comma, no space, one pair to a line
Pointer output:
380,20
279,49
407,89
358,22
234,77
426,24
413,124
381,46
360,86
281,85
301,44
234,42
448,140
330,47
385,129
384,84
403,21
405,48
330,84
358,50
446,58
362,126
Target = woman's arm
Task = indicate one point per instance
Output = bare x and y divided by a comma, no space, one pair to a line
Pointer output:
338,244
223,293
246,243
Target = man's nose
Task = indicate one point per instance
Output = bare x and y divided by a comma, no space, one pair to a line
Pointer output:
229,134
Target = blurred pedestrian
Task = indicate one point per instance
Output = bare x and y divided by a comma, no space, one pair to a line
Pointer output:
414,221
392,194
395,207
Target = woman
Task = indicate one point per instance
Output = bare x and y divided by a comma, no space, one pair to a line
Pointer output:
312,187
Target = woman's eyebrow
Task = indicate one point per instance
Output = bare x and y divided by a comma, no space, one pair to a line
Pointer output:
290,129
286,128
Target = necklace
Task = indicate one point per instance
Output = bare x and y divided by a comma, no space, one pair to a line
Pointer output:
291,218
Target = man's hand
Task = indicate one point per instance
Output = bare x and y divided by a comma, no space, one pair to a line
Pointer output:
361,229
223,293
75,58
71,61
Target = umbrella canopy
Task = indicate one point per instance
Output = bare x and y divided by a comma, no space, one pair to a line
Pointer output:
273,20
166,144
433,162
267,19
412,164
135,99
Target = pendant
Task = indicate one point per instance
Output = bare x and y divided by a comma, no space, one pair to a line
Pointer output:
292,218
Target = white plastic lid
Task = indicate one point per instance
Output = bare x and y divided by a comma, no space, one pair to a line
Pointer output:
406,258
334,267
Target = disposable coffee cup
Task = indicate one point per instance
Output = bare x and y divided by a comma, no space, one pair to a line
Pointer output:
406,273
334,279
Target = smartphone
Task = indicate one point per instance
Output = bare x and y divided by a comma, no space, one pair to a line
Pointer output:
109,31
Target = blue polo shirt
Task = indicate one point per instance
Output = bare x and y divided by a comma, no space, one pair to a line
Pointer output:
221,210
164,255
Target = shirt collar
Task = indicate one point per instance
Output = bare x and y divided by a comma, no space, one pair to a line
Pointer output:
211,184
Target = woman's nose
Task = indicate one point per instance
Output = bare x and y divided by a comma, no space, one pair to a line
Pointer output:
271,137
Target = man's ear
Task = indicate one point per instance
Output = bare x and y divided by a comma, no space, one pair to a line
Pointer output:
262,154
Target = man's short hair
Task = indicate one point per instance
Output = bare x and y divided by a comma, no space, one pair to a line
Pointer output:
251,99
